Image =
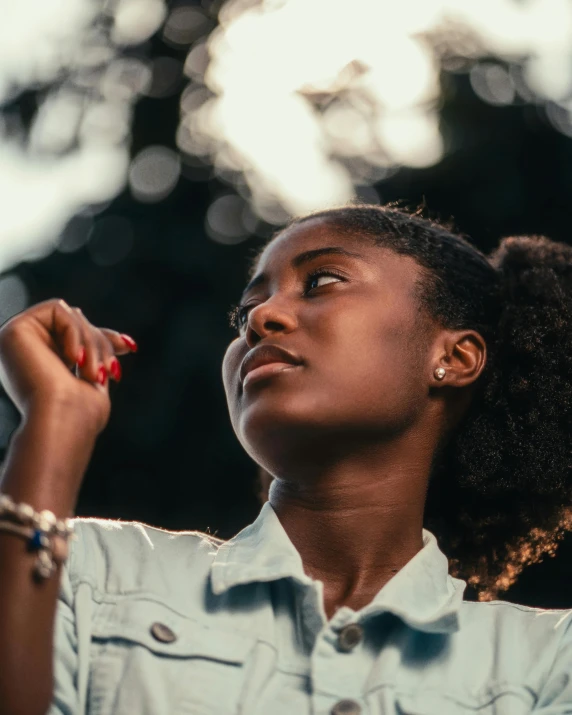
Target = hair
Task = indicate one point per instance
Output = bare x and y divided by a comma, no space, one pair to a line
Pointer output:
500,491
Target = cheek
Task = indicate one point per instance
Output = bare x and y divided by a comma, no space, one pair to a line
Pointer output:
367,353
230,367
358,341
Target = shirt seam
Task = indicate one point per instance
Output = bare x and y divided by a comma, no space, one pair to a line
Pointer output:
520,607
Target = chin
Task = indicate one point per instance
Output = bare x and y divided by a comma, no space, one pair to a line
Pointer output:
271,427
273,417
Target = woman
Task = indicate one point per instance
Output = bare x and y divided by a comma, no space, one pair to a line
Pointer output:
385,372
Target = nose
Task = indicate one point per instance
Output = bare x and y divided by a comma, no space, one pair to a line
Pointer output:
271,316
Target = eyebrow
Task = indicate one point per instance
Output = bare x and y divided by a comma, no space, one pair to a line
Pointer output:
306,257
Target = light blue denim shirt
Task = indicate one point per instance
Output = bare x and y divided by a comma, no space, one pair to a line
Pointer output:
152,622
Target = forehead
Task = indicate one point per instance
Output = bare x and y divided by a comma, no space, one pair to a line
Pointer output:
322,233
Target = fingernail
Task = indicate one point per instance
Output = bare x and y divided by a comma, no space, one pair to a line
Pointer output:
81,356
101,375
131,344
115,369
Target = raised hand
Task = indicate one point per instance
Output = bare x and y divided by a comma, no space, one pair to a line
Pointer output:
51,354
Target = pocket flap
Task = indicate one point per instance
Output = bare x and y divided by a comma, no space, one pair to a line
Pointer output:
160,629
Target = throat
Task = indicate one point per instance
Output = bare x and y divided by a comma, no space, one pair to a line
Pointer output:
332,605
356,599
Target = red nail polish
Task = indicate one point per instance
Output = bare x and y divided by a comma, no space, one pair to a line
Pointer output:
116,369
102,375
131,344
81,356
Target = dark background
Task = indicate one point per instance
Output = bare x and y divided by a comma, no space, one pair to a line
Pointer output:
168,456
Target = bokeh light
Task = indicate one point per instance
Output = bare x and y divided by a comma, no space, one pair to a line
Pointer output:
136,20
304,100
154,173
225,219
75,152
493,83
125,78
295,104
184,25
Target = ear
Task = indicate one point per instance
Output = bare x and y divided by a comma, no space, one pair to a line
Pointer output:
463,355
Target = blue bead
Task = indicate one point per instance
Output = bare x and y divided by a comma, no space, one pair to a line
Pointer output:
37,541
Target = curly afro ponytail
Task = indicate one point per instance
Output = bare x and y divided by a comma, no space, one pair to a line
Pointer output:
513,455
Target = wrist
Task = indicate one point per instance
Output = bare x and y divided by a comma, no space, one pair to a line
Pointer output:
47,458
61,412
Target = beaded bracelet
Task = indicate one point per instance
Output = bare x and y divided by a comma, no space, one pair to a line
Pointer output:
45,534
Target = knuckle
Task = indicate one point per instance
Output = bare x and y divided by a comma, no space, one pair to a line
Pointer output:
106,343
85,341
97,335
113,340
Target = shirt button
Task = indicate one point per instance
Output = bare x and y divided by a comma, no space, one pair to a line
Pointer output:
162,633
346,707
349,637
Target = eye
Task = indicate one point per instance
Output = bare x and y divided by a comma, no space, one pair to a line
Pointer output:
314,279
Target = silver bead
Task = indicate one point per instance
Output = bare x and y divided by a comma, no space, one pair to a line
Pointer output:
64,527
61,526
49,516
25,512
440,373
45,542
45,566
47,520
6,503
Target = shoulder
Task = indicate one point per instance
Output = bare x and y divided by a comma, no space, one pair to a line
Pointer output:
534,641
120,557
135,534
518,624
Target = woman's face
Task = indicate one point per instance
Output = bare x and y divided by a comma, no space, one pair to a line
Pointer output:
345,312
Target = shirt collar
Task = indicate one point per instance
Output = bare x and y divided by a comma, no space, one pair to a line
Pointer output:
422,593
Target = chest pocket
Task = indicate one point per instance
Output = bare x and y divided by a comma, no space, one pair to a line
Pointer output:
499,699
150,660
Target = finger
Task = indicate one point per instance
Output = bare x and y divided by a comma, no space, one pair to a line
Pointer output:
80,344
108,359
65,329
74,338
119,344
122,343
93,356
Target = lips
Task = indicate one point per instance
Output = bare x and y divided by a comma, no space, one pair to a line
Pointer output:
264,355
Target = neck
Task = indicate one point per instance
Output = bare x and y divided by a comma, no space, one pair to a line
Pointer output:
357,522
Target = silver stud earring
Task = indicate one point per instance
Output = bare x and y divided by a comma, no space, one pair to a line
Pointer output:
440,373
